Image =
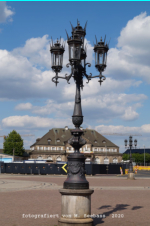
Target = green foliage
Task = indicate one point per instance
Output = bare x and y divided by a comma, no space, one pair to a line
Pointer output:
13,141
125,157
139,158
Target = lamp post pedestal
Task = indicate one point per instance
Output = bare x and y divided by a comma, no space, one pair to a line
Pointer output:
76,207
130,172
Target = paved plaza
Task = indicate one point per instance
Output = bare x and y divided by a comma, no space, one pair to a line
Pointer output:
34,200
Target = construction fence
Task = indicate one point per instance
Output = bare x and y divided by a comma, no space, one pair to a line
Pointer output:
48,168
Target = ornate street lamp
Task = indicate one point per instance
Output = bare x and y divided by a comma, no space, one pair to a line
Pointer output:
57,51
77,60
130,146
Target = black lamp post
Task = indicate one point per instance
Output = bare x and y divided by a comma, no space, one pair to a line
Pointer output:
77,60
130,146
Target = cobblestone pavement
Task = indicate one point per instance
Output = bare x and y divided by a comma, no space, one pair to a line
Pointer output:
121,201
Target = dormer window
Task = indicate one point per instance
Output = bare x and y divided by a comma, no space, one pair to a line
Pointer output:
48,140
95,141
58,140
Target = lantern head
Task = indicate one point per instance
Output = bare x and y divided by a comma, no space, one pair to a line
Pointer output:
130,141
57,51
125,142
74,44
81,32
100,50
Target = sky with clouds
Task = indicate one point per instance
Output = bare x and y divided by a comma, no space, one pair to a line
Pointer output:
30,101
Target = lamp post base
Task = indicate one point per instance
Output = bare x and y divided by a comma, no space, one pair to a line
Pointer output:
131,176
76,207
75,222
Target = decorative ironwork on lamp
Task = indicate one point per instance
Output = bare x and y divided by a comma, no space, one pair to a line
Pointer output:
77,61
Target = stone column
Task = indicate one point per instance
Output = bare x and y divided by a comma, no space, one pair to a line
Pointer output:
76,207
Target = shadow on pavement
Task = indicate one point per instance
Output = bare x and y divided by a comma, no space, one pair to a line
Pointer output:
112,211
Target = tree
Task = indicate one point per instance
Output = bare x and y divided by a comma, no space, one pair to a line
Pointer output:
13,141
125,157
138,158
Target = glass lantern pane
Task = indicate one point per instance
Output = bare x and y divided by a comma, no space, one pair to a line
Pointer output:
77,51
100,57
57,60
97,58
105,62
83,41
62,60
52,59
71,52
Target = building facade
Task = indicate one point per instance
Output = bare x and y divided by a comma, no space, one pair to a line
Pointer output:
53,147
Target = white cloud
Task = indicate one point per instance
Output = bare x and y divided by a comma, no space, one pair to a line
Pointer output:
24,106
130,114
93,88
131,58
26,73
123,129
36,50
33,122
137,29
104,107
5,12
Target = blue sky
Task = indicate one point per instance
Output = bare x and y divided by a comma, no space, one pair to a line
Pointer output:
30,102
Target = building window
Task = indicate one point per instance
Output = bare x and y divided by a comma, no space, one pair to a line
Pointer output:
39,158
106,161
53,148
46,148
58,158
69,148
58,140
41,148
115,160
96,160
88,160
95,149
95,141
48,140
101,149
115,150
59,148
49,158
